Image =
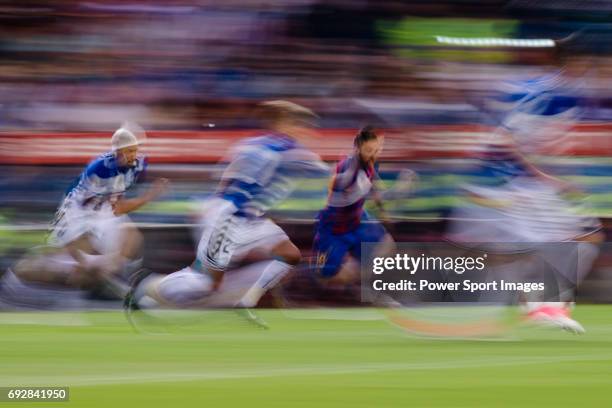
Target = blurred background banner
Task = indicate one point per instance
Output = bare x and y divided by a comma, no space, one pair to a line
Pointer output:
196,147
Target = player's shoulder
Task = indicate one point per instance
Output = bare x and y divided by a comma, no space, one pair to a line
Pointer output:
345,163
103,166
549,95
274,142
514,90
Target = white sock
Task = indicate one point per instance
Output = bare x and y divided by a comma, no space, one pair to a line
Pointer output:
271,275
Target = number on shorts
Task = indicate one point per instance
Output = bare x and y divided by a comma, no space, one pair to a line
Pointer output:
218,253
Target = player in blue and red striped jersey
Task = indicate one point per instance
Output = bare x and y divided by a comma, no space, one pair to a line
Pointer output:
344,224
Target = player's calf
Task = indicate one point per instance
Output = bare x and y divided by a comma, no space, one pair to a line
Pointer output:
286,255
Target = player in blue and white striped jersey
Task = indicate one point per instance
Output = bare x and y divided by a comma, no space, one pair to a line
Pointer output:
91,231
526,208
261,173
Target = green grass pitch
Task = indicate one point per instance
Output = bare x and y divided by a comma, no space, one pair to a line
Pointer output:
312,361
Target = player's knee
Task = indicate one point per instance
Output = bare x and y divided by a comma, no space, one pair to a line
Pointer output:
292,257
23,269
287,252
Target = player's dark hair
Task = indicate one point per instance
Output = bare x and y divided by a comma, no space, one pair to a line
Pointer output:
366,134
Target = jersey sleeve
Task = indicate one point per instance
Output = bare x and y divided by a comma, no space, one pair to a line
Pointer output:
539,112
251,164
346,172
301,162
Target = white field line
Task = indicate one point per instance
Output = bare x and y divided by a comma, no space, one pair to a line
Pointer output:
211,375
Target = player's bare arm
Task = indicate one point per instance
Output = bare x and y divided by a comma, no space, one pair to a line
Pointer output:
124,206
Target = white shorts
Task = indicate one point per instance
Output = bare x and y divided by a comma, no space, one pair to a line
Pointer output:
226,238
73,221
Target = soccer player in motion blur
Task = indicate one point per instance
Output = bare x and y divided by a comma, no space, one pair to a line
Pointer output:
344,224
527,208
92,237
242,253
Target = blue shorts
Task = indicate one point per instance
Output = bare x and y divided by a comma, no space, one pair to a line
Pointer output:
330,249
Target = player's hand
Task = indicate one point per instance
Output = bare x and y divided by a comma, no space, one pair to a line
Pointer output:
159,187
407,178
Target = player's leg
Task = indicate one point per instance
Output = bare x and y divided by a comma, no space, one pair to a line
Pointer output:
92,249
372,230
183,288
131,243
547,309
70,239
332,263
338,256
571,262
214,252
223,245
93,239
57,266
115,253
195,286
380,244
117,245
283,255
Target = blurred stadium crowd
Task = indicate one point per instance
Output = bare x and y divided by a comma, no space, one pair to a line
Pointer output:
72,71
78,65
